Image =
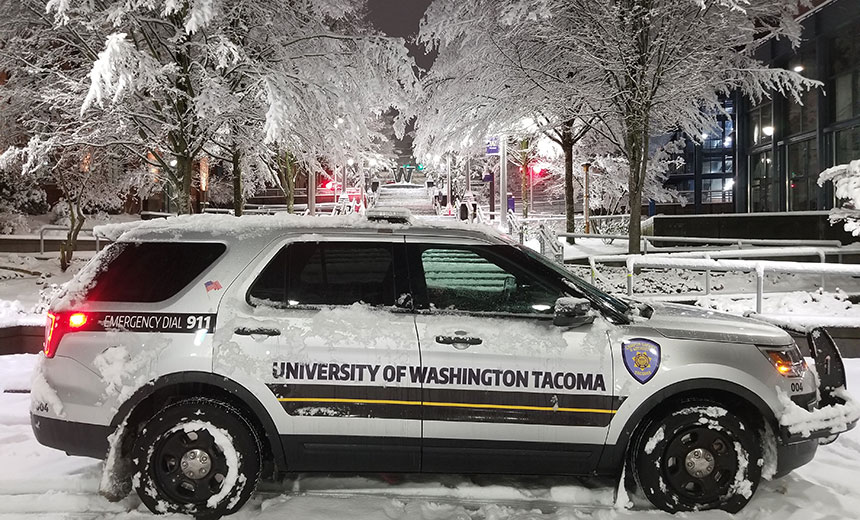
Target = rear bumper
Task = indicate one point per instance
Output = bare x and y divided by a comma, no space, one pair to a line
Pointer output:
85,440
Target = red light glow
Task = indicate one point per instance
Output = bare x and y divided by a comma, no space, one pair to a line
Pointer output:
77,320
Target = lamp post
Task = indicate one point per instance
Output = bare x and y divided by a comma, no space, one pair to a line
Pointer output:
448,180
585,168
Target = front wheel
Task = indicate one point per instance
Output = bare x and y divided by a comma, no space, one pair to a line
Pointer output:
698,457
198,457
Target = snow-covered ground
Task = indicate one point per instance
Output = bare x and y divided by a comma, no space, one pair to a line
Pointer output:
39,482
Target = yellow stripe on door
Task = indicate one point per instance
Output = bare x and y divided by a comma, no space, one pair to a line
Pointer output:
446,405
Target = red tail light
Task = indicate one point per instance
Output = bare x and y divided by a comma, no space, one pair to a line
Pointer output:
58,325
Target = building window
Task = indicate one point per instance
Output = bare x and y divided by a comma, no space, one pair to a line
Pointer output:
721,137
847,145
686,189
802,117
717,190
764,183
760,124
718,164
846,74
803,175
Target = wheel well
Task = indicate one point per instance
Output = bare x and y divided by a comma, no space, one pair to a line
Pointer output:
727,399
169,394
738,400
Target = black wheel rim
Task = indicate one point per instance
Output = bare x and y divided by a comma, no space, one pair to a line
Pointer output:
700,464
167,467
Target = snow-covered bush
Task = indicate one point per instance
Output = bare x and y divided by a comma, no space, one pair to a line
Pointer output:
846,186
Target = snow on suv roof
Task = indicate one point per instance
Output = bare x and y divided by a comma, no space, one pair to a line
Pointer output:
256,226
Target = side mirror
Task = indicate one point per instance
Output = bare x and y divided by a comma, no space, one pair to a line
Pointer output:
572,312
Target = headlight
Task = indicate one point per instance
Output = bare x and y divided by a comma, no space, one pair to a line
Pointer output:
787,360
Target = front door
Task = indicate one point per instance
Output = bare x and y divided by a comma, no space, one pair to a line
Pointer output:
505,390
325,314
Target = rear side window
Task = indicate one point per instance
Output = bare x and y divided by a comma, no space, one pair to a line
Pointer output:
327,273
151,271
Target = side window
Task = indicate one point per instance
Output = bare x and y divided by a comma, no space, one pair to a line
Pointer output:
327,273
151,271
475,279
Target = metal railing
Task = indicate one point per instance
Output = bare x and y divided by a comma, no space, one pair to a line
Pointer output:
760,268
44,229
547,239
775,252
739,242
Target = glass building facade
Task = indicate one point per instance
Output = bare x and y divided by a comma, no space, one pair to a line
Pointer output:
766,156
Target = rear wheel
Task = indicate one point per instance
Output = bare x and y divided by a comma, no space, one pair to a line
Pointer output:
197,456
699,457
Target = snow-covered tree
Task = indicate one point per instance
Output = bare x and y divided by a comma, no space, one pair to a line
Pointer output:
846,186
651,67
173,80
630,70
493,77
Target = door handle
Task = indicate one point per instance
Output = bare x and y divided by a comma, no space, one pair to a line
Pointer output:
459,341
243,331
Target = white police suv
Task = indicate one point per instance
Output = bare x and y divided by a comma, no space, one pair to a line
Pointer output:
199,354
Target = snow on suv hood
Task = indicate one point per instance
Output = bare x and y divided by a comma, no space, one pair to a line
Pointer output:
688,322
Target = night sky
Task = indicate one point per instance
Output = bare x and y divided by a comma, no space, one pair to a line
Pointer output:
401,18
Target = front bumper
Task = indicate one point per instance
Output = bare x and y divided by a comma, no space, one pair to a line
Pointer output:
86,440
835,412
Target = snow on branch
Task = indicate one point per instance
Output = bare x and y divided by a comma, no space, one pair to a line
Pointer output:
118,67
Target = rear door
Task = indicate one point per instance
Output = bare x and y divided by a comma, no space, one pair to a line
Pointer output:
504,389
327,320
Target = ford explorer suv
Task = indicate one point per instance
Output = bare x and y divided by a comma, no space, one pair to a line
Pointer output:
199,354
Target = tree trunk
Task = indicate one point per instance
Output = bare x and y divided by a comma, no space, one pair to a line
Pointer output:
76,222
238,196
634,232
638,139
291,181
183,178
569,200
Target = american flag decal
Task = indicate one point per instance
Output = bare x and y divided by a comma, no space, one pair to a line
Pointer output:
212,286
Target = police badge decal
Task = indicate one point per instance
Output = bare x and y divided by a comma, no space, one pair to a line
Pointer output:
641,357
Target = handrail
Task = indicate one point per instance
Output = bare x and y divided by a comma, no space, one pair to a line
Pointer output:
63,228
740,242
775,252
760,268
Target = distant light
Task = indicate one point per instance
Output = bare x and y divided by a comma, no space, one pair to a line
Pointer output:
767,130
173,163
727,141
540,307
798,68
729,185
704,136
350,162
293,302
340,120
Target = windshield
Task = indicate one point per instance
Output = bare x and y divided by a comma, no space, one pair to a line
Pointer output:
597,297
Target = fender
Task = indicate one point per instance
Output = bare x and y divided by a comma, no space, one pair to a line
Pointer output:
270,431
613,458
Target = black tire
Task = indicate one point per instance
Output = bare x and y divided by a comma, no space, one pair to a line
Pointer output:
699,457
190,436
